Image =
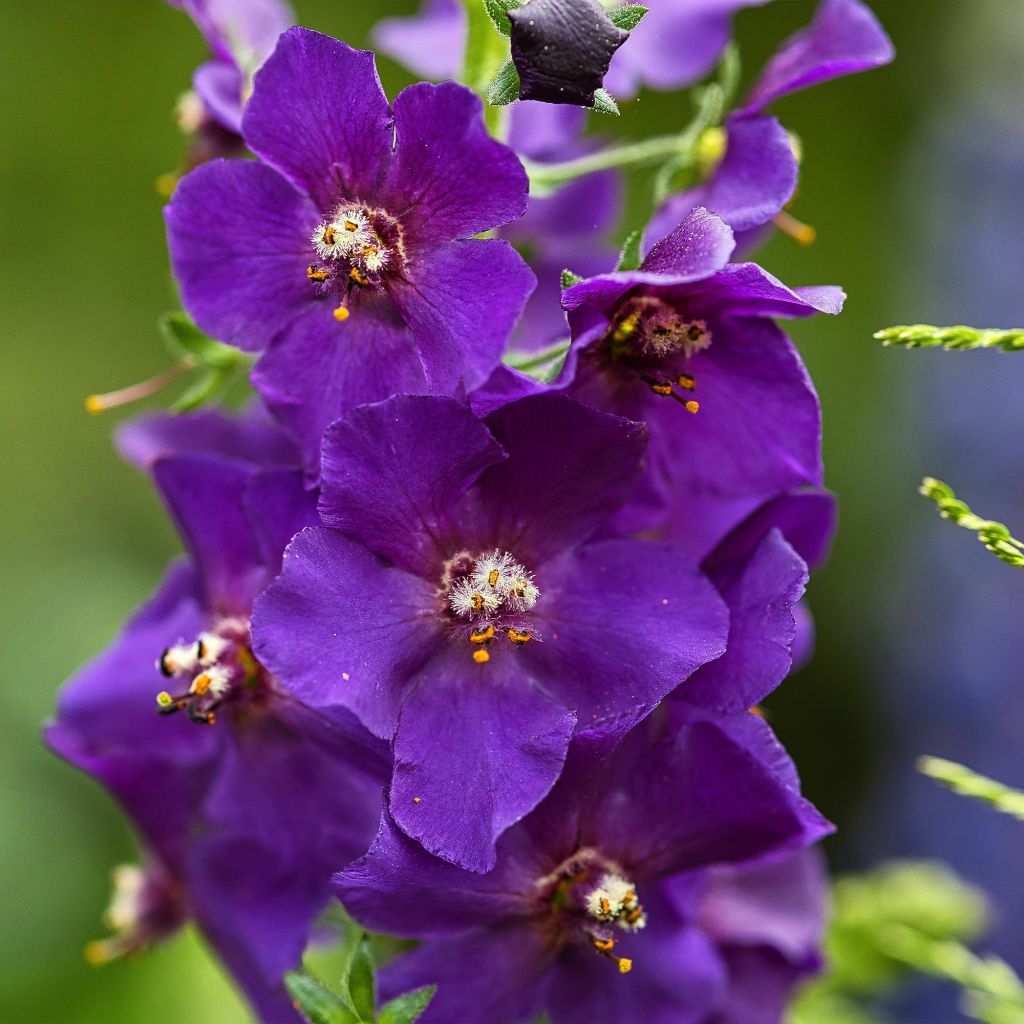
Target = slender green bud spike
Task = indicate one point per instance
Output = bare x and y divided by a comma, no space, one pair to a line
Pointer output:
966,782
953,338
995,536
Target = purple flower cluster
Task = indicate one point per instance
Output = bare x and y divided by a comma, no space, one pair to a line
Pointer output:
476,653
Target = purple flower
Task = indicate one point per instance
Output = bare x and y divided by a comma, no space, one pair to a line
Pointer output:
755,172
686,343
596,910
344,253
454,603
243,821
241,35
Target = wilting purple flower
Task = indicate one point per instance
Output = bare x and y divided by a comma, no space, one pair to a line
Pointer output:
686,343
241,35
344,252
600,908
245,799
454,603
755,172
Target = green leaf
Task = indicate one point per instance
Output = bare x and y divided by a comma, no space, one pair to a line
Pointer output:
630,257
954,338
358,980
569,279
317,1003
627,17
542,366
604,102
406,1008
497,11
201,391
484,49
995,536
962,780
504,89
184,338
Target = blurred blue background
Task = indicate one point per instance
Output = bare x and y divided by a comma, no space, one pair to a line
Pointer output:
913,178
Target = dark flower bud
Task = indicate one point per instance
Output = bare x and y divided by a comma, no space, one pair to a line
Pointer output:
562,49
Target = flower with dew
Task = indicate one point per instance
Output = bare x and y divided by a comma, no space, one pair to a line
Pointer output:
593,912
456,602
244,799
750,163
344,253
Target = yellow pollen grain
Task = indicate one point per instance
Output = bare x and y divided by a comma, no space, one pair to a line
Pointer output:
604,945
481,657
164,699
692,406
481,636
417,799
341,314
351,225
518,636
625,965
492,577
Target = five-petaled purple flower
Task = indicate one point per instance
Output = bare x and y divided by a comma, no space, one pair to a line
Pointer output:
344,253
455,602
245,799
600,909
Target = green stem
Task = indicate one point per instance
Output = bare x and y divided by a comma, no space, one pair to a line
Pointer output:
960,779
954,338
995,536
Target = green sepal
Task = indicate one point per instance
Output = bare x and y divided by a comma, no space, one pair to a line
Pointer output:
569,279
406,1008
504,88
318,1003
185,339
357,979
604,102
497,11
202,391
543,366
626,18
630,256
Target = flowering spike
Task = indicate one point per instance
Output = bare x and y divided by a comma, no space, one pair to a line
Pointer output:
952,338
966,782
995,536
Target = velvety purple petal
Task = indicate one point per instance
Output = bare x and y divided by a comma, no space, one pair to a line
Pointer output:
461,301
745,289
239,241
677,977
569,468
319,369
622,624
203,493
340,627
760,985
239,30
503,386
319,115
676,44
546,131
431,43
844,37
779,904
483,977
694,798
393,474
278,505
569,219
759,424
219,85
757,175
803,641
761,630
477,748
807,519
399,888
450,178
289,803
248,438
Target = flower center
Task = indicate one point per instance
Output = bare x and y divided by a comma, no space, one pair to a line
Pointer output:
490,596
597,903
218,667
654,340
353,248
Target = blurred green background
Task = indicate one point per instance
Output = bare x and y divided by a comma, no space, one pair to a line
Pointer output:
86,93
